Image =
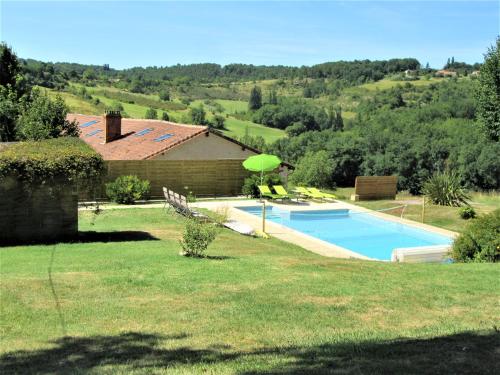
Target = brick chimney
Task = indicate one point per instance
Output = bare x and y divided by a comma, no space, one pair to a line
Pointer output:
112,125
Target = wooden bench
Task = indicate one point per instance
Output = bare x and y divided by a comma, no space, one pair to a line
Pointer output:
375,187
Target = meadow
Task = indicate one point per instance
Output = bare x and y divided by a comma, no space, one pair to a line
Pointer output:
122,300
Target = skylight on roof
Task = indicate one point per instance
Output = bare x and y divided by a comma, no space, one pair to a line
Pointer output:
93,132
163,137
143,132
88,123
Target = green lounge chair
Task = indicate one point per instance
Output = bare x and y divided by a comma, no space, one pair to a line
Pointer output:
325,195
266,192
305,192
281,191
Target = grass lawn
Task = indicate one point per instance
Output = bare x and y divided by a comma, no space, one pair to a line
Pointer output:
124,301
237,128
440,216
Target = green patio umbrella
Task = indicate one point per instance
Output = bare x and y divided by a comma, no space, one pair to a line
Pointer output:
262,163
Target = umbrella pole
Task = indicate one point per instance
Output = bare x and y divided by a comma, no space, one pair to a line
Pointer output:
264,217
263,203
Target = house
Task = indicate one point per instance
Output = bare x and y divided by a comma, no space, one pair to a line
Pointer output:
445,73
181,157
410,73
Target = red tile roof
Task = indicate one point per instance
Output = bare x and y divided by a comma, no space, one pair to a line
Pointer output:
132,146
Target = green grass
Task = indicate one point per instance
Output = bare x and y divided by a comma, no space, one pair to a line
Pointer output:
385,84
440,216
124,301
237,128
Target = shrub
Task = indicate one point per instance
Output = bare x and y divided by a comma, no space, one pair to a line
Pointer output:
165,95
151,114
165,116
218,122
444,189
197,237
467,213
480,241
250,185
127,189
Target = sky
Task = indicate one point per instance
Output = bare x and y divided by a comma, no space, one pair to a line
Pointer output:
124,34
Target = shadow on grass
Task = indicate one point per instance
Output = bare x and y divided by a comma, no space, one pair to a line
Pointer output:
88,236
464,353
121,236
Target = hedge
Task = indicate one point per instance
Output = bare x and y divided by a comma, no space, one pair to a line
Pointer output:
65,159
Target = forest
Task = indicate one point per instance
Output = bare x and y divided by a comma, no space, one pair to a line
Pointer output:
337,120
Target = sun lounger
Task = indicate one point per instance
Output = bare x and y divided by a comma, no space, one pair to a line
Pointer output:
266,192
306,193
319,192
179,203
281,191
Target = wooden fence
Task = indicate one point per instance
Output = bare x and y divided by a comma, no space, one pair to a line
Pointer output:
203,178
37,214
375,187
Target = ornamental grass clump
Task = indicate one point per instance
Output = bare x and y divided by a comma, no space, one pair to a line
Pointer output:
197,237
127,189
445,189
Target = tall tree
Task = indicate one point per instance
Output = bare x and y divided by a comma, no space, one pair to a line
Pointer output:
339,122
427,66
488,93
9,66
255,101
273,97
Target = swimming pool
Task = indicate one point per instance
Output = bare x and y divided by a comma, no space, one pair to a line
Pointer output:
357,231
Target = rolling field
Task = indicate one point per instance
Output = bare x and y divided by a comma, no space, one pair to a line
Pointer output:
234,127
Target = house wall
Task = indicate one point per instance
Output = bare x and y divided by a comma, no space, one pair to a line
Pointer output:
202,177
203,147
40,214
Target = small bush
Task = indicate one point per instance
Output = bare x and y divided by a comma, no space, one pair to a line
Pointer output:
221,215
480,241
127,189
165,116
197,237
250,185
467,213
151,114
445,189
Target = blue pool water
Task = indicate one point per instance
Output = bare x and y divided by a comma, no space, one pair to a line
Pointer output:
360,232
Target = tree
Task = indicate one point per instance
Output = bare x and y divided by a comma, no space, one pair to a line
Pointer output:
151,114
44,118
339,121
165,116
165,95
9,111
427,66
488,93
273,97
197,115
218,122
9,66
314,169
255,101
